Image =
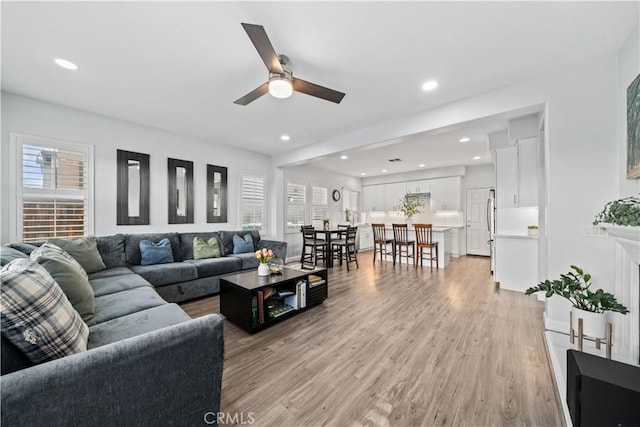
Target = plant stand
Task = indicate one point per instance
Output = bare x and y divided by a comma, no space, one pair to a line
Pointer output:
580,335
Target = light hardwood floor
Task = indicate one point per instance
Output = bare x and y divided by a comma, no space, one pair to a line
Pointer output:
395,346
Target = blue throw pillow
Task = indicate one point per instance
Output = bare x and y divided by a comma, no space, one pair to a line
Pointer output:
155,253
242,245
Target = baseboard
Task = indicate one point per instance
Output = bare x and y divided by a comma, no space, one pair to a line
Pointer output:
555,325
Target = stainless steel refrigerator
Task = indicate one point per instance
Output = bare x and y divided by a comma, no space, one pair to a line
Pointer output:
491,226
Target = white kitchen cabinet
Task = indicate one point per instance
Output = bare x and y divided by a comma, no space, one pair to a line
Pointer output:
445,194
373,198
517,175
507,177
365,237
393,192
421,186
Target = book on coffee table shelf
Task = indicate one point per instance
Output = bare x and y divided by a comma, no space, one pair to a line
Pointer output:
316,280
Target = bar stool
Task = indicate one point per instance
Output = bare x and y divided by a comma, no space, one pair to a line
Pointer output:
313,249
424,240
400,241
380,242
346,248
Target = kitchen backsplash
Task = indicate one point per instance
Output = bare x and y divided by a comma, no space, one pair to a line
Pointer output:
436,218
515,220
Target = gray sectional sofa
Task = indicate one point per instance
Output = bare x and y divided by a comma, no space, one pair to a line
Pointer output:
147,362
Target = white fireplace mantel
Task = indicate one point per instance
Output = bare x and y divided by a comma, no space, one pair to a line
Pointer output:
628,237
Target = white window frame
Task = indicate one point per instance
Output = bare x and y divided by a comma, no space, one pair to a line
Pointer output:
17,141
264,229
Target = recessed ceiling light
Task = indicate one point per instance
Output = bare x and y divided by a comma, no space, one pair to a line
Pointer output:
464,139
285,137
343,157
430,85
421,165
66,64
383,170
477,158
363,173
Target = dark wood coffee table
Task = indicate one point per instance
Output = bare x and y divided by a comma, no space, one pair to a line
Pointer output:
255,303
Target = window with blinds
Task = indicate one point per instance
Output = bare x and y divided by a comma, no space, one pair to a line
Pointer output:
252,202
53,200
296,205
319,205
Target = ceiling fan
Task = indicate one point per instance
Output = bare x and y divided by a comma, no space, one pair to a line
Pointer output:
281,82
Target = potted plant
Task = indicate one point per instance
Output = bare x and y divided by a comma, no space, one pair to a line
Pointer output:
347,214
409,206
325,223
264,255
620,212
590,306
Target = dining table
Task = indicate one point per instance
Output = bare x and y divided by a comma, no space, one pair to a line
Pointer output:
329,235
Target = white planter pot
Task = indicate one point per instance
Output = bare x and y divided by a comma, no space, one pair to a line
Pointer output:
593,324
263,270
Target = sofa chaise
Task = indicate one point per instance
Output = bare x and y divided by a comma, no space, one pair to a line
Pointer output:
147,362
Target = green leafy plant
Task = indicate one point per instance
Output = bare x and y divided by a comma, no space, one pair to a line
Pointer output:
620,212
347,212
409,206
574,286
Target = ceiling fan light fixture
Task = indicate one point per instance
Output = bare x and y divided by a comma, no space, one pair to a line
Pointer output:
280,86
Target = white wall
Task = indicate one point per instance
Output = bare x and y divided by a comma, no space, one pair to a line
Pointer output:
33,117
307,174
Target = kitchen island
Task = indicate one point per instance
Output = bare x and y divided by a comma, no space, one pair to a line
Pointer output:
441,235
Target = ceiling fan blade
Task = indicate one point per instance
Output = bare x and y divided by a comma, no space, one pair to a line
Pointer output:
262,44
253,95
318,91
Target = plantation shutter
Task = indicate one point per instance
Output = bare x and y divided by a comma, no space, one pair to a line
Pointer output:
252,204
53,200
296,205
319,208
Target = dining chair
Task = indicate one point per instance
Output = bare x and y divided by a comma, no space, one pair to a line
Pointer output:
401,243
345,249
313,249
380,243
424,240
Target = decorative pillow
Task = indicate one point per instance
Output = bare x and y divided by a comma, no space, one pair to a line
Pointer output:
8,254
25,248
36,315
155,253
84,250
208,249
69,275
242,245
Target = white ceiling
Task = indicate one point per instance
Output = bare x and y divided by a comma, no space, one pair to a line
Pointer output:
179,66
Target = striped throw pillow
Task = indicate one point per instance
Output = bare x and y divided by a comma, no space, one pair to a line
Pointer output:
35,314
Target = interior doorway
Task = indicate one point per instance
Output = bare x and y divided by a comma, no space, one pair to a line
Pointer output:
477,220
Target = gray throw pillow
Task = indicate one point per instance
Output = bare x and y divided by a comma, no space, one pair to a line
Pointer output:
8,254
84,250
69,275
36,315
